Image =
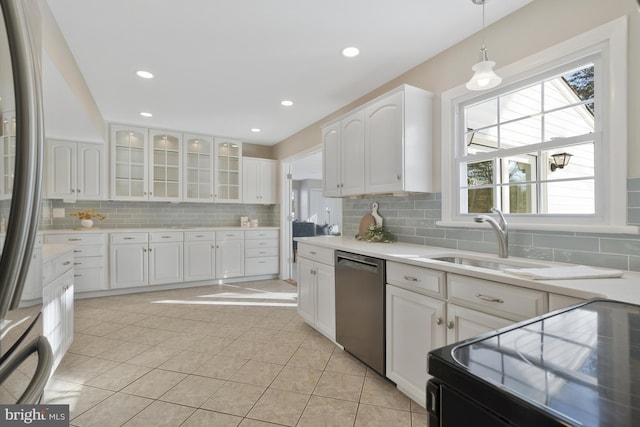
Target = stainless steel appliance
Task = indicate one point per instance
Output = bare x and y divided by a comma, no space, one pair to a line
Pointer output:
360,307
577,366
21,380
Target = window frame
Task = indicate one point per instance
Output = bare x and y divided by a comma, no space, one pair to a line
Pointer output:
609,42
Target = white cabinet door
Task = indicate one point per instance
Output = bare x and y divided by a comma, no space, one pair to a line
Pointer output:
165,171
61,170
129,163
91,172
464,323
198,168
306,290
331,156
251,186
67,312
325,298
352,154
228,166
165,263
199,260
229,256
384,145
415,326
268,180
128,265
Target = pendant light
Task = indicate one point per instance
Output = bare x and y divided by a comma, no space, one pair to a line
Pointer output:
483,75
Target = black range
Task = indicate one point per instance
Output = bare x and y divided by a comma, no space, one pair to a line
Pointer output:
578,366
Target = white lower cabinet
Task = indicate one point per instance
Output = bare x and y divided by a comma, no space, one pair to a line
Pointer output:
129,260
229,254
414,327
464,323
199,255
165,257
89,259
316,289
261,252
57,305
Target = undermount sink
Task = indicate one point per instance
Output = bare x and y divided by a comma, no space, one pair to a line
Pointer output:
483,263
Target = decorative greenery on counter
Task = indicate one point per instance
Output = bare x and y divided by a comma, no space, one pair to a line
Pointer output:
377,233
88,214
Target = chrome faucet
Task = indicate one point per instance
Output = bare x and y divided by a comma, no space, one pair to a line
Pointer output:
501,231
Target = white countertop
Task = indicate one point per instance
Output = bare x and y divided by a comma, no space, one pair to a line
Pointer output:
625,288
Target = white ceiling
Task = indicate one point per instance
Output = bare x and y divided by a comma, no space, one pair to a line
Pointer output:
222,67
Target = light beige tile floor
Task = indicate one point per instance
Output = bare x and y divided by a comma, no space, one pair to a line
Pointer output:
220,355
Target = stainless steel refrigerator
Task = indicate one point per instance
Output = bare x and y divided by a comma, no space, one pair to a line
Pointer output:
25,355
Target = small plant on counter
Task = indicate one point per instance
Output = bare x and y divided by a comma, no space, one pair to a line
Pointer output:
377,233
88,214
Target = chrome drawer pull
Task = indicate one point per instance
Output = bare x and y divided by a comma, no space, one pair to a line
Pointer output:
313,252
411,278
76,251
71,239
129,238
490,299
166,237
199,235
66,263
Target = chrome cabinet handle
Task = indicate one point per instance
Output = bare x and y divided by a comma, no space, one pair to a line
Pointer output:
129,238
66,263
200,235
144,249
77,263
312,252
73,239
411,278
77,251
77,275
450,324
150,249
78,190
490,299
438,320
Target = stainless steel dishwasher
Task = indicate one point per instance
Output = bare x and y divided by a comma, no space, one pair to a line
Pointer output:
360,307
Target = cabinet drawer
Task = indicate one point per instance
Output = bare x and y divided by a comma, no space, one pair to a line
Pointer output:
166,236
91,262
129,237
261,234
258,266
62,264
508,301
192,236
316,253
261,243
229,235
260,252
92,279
75,238
416,279
88,251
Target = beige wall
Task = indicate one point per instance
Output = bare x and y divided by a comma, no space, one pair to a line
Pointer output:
535,27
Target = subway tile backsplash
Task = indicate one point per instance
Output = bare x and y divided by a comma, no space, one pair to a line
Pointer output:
156,214
412,218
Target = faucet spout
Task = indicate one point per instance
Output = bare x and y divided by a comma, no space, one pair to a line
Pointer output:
501,230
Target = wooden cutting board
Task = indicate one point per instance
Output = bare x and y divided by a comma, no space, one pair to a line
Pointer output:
367,221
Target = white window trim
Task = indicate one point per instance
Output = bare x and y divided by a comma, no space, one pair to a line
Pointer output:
613,36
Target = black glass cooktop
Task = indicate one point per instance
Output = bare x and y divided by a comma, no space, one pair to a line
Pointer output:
582,364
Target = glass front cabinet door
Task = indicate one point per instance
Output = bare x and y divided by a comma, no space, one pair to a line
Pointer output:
228,170
129,163
166,166
198,168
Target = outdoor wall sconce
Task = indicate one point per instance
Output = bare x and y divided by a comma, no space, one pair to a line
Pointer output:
559,161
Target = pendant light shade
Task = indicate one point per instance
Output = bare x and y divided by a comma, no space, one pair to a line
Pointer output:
483,75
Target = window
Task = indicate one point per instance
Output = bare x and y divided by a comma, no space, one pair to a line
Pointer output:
498,146
509,139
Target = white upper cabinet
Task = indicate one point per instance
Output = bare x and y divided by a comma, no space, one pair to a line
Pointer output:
228,163
129,163
198,168
259,181
75,170
384,146
344,156
166,166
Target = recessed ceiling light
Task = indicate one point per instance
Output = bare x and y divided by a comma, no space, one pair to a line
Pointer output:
350,52
256,130
144,74
145,114
287,103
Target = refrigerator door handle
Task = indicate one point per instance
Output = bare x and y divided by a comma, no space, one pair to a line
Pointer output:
25,201
34,390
